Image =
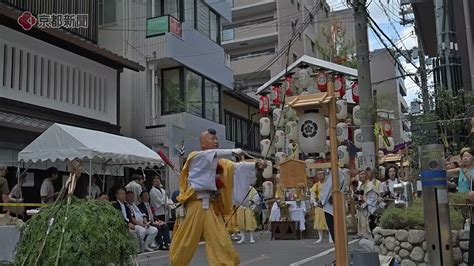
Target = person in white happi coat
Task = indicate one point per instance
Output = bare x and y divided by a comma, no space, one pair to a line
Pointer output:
158,199
327,202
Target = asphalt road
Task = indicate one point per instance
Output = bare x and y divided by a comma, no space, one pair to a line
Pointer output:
264,252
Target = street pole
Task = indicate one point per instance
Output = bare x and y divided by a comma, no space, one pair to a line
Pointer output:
339,212
435,205
365,86
425,97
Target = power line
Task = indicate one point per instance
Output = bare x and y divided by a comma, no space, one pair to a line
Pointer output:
390,22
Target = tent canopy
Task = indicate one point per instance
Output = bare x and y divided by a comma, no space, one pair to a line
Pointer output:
62,143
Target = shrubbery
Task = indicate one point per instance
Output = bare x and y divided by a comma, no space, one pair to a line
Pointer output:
413,218
95,235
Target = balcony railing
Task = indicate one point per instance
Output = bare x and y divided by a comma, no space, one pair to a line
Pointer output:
249,31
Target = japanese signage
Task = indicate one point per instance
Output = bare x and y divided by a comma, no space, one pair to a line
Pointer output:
160,25
27,20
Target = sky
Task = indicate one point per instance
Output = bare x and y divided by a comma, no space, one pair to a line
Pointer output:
389,22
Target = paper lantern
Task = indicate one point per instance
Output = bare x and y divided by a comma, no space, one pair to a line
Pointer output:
265,126
280,157
287,85
328,146
343,155
278,117
310,172
290,113
267,189
275,95
391,147
341,109
294,151
265,147
326,119
322,81
387,128
303,79
279,139
263,104
268,171
342,131
359,160
340,85
358,139
291,130
355,91
356,115
312,132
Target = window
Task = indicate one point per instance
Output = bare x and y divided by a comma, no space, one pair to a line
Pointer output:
171,94
214,26
211,105
242,131
203,24
189,12
193,93
228,34
187,94
107,11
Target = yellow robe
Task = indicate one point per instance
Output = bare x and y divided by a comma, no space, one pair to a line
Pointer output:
319,219
206,224
245,216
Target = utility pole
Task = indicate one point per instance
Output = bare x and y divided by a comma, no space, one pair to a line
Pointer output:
425,96
365,83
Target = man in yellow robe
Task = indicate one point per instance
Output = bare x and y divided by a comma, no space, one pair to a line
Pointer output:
202,197
246,217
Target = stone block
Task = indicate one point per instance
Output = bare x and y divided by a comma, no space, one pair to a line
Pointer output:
417,254
406,246
401,235
388,232
416,236
390,243
397,249
464,245
378,239
383,249
424,245
376,230
404,253
463,235
465,257
407,262
457,254
426,257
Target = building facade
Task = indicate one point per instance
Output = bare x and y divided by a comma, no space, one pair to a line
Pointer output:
261,28
54,74
187,85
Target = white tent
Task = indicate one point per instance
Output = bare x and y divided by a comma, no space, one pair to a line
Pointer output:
98,150
61,142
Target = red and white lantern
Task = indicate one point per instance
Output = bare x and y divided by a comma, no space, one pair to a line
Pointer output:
275,95
264,104
322,81
340,85
287,85
355,91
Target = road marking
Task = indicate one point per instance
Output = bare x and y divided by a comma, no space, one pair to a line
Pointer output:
262,257
150,258
324,253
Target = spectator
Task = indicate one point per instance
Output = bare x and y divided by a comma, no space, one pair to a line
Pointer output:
368,205
95,190
135,186
47,189
16,196
147,233
158,199
127,214
103,197
466,175
163,237
391,174
4,190
118,183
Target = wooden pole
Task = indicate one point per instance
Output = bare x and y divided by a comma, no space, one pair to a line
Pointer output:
340,229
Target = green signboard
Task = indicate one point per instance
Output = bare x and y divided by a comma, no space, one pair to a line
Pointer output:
157,26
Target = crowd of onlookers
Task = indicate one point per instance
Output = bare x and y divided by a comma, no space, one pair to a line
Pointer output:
145,212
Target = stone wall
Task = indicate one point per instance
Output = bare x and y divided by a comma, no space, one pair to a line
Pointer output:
409,247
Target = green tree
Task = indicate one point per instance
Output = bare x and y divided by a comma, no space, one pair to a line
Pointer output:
333,45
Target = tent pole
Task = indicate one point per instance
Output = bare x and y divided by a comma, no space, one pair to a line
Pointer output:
90,178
